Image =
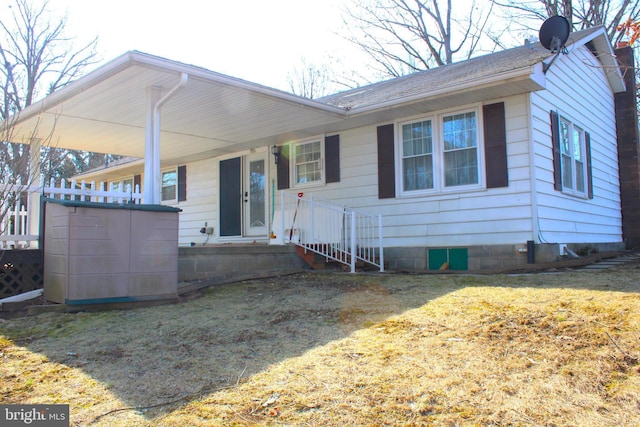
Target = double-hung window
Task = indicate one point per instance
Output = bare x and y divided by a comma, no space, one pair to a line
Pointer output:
572,169
572,149
417,155
124,185
460,144
121,186
440,154
310,162
169,185
307,162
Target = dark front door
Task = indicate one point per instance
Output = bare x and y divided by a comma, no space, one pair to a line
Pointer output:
231,197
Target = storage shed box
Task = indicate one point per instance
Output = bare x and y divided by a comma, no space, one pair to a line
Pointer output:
101,253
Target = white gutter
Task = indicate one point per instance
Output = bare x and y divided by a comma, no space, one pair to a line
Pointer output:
152,179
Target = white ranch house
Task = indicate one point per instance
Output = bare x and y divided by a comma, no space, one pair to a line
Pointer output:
495,161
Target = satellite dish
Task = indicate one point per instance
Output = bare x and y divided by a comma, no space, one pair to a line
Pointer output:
554,33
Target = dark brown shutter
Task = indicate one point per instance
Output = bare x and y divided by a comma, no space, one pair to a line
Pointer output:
495,145
182,183
137,183
332,158
557,158
587,145
283,168
386,163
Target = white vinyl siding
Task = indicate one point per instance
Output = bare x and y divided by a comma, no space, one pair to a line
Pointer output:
202,204
444,218
562,217
528,209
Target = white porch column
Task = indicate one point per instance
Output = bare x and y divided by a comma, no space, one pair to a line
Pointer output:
34,180
151,185
152,178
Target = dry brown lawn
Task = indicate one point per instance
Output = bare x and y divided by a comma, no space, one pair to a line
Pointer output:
544,349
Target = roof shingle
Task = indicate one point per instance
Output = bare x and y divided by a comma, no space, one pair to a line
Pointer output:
450,75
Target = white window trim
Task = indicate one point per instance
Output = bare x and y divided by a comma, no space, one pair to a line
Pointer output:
292,163
583,155
438,153
120,182
175,199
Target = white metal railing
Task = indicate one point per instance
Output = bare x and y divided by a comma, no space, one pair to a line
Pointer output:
333,231
19,216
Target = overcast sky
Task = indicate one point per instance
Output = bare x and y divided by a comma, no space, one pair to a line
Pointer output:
257,40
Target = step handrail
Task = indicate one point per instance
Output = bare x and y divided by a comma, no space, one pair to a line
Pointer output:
334,231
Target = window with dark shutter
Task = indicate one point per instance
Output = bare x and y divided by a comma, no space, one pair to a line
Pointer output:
386,163
571,157
332,158
495,145
283,168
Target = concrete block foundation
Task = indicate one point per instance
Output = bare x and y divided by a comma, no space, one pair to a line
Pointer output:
204,262
489,257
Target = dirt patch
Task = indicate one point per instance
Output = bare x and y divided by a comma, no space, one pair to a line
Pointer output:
341,349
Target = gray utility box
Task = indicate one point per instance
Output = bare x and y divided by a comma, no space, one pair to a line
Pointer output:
104,253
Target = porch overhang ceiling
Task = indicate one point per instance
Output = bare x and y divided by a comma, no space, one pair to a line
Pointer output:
213,114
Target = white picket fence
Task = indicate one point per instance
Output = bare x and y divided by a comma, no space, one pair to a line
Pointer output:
20,207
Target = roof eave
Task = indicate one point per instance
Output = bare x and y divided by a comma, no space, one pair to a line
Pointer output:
533,74
605,55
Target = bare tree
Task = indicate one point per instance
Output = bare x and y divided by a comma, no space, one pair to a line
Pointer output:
581,14
37,58
404,36
309,80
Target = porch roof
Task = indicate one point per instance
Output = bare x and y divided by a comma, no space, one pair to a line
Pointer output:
212,114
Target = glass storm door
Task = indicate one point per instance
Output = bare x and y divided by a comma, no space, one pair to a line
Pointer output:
230,197
256,222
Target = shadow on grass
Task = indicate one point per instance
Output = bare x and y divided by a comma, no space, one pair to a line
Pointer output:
159,358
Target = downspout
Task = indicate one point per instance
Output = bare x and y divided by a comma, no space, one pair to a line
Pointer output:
535,220
155,179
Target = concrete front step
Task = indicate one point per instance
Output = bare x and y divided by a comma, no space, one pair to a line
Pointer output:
228,260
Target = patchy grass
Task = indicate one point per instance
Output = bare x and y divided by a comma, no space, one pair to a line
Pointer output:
346,350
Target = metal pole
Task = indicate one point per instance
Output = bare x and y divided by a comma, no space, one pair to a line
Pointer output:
313,228
353,242
282,215
381,249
